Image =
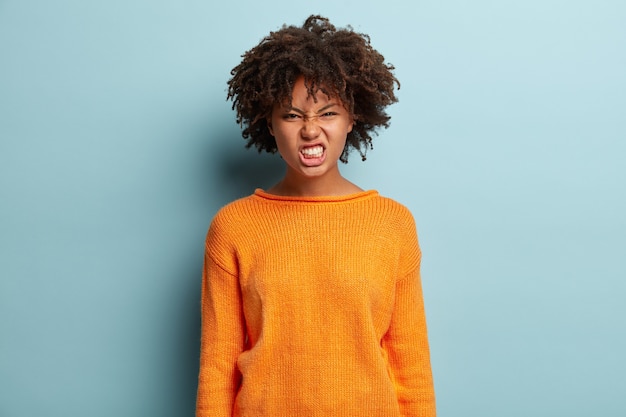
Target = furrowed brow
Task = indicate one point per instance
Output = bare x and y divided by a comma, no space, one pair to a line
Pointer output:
322,110
326,107
294,109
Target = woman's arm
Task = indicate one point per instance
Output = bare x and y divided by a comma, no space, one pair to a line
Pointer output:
222,341
406,343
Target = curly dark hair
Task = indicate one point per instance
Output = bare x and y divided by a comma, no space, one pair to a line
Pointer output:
340,63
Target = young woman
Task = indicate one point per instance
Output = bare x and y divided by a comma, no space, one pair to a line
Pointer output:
311,299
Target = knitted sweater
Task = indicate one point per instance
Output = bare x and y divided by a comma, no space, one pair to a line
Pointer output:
312,306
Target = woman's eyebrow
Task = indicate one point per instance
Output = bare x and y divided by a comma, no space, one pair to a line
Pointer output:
323,109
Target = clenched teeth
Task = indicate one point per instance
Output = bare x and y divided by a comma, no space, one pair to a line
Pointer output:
313,152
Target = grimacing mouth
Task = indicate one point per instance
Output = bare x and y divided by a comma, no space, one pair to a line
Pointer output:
313,151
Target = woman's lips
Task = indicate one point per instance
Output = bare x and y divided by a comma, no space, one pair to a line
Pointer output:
312,155
312,152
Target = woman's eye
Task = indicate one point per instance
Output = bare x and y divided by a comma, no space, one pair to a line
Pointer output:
329,114
290,116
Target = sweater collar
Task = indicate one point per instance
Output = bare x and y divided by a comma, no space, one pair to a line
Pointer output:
319,199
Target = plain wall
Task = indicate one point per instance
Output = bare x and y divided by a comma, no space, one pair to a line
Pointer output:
117,147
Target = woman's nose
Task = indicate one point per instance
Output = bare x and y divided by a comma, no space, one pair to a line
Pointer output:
310,128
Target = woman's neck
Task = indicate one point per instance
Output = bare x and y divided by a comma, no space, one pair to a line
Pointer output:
313,187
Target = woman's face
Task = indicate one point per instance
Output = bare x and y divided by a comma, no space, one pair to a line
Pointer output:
310,132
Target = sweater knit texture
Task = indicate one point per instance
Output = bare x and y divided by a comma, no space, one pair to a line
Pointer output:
312,306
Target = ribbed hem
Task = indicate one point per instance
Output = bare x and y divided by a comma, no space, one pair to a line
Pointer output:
362,195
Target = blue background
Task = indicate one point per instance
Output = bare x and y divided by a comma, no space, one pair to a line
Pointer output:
117,147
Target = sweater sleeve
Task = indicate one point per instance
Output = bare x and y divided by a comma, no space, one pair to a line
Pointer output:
222,341
406,340
406,343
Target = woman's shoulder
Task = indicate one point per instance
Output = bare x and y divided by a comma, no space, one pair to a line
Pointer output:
234,210
231,223
394,208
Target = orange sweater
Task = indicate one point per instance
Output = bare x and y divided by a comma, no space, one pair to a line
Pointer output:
312,306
